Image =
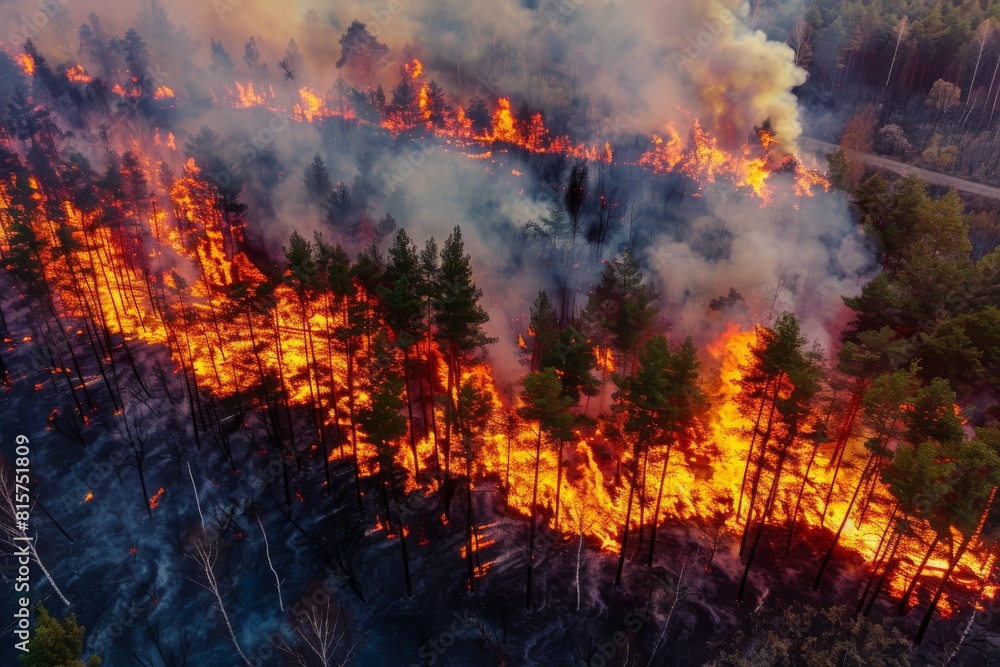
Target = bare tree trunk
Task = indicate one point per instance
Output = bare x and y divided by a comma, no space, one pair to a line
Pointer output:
15,531
904,603
205,554
534,517
267,554
628,520
656,511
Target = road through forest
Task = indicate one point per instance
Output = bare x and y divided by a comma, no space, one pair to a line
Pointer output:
821,148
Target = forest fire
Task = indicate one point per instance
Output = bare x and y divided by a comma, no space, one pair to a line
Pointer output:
77,74
541,390
27,63
752,167
224,344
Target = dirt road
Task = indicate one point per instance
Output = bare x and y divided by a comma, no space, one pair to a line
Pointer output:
821,148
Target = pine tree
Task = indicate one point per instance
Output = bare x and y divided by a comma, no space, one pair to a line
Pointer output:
547,408
318,183
621,306
56,642
781,380
459,319
400,296
659,402
383,426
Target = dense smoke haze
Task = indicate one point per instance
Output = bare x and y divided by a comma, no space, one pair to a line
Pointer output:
624,74
520,332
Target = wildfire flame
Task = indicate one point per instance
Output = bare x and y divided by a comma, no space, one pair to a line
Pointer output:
703,160
414,68
27,63
77,74
168,280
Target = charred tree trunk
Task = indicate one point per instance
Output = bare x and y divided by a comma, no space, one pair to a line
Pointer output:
471,522
838,452
759,468
843,524
753,441
409,410
798,498
904,603
771,496
534,518
656,512
628,520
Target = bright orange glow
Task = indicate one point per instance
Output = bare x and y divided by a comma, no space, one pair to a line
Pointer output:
76,74
703,160
246,97
605,360
310,107
162,93
27,63
414,68
170,277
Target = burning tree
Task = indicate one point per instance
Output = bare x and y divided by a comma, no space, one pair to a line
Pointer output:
384,426
545,406
620,308
458,320
780,380
660,401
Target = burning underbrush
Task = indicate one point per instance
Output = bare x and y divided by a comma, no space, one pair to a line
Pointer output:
348,390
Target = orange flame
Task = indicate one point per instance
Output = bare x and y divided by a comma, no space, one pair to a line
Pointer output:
27,63
414,68
76,74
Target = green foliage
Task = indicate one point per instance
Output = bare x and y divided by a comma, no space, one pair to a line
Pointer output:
662,399
621,304
401,291
317,181
382,419
840,170
876,351
56,642
301,266
458,315
566,350
546,405
809,637
938,157
944,96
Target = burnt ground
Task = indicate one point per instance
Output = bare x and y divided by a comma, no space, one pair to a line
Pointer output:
131,581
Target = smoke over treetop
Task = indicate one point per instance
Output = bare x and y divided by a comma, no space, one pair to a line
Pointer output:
634,68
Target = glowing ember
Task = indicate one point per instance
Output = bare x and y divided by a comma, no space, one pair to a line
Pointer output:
154,501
